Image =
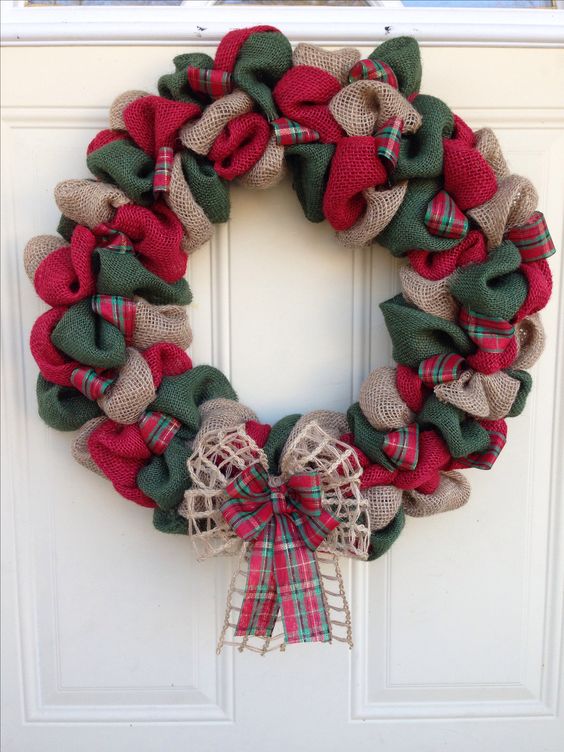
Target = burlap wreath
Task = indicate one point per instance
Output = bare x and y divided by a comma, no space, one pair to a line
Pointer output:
383,164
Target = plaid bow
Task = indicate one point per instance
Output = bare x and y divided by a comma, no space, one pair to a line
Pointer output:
113,240
490,334
533,239
373,70
214,83
288,132
163,169
157,430
440,369
402,447
118,311
388,141
285,526
444,218
485,460
92,384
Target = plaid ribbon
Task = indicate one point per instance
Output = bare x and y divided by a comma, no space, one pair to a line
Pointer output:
490,334
485,460
157,430
533,238
440,369
388,141
285,526
89,382
444,218
114,240
215,83
402,447
374,70
163,169
288,132
118,311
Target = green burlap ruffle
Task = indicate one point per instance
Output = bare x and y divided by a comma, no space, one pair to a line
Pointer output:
309,164
495,287
123,274
169,521
127,166
181,396
407,230
421,155
65,228
175,85
84,336
417,335
63,408
366,437
404,58
526,384
263,59
165,477
276,440
463,435
381,540
208,189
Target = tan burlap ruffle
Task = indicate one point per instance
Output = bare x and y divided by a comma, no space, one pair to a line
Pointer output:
383,505
37,249
531,339
89,202
452,493
512,205
221,414
132,391
269,170
333,423
200,134
79,446
363,106
336,62
381,205
488,146
161,323
197,227
381,403
431,296
480,395
118,106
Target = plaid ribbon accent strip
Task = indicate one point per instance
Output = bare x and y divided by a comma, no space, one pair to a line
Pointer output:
214,83
490,334
285,526
288,132
402,447
163,169
91,384
157,430
485,460
444,218
114,240
533,239
388,141
440,369
373,70
118,311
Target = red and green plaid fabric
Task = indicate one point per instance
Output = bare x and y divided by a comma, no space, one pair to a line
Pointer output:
118,311
388,141
157,430
288,132
490,334
215,83
444,218
402,447
440,369
533,238
114,240
374,70
163,169
89,382
485,460
284,526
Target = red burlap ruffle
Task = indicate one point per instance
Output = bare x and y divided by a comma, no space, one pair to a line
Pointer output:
104,138
54,365
230,46
240,145
471,250
154,121
166,359
65,276
468,178
410,388
259,432
539,279
492,362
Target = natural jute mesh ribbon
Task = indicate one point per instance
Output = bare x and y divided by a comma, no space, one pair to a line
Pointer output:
333,423
482,395
381,403
197,227
531,338
336,62
220,414
381,205
89,202
132,391
118,106
37,249
488,146
431,296
452,493
363,106
79,446
269,170
161,323
200,134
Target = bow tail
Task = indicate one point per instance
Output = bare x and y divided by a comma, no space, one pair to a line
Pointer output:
300,589
260,601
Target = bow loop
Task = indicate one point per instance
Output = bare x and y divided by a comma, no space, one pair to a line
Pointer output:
288,132
373,70
402,447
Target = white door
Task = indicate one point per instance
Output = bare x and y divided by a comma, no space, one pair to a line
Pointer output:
110,626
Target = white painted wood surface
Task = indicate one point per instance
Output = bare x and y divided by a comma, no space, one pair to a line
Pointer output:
109,626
